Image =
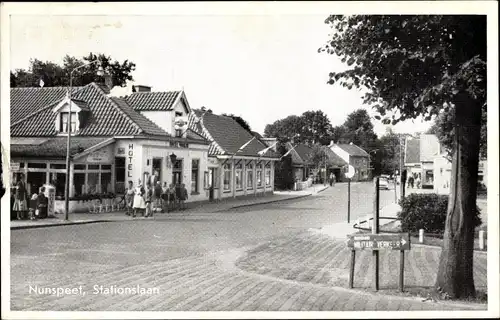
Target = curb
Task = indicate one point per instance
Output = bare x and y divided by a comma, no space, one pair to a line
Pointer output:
35,226
266,202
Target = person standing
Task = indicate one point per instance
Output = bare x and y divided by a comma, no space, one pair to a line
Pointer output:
129,198
139,203
42,203
148,199
157,196
20,199
172,197
183,196
164,197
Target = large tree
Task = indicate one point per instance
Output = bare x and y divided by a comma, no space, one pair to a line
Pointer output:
359,130
420,65
54,75
242,122
311,127
317,127
285,129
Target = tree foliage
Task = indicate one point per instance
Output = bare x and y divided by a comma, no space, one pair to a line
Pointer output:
358,129
412,65
311,127
54,75
242,122
423,65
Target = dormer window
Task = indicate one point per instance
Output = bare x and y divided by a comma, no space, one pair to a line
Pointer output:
64,119
80,116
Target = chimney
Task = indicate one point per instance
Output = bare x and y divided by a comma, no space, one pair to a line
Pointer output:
141,88
203,109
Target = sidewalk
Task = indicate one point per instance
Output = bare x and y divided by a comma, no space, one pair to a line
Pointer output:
342,229
205,207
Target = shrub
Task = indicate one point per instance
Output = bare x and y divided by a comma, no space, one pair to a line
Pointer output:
428,212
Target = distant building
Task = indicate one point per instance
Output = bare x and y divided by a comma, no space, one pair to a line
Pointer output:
425,157
354,156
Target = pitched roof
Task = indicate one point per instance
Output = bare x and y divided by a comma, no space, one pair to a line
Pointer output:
153,101
353,150
412,151
26,101
109,116
429,147
55,146
296,158
333,158
304,152
226,135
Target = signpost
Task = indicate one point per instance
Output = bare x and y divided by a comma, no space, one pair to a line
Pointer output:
349,174
377,242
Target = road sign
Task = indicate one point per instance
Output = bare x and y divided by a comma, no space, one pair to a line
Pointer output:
399,241
349,174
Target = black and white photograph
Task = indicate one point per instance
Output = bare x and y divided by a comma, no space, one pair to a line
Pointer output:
249,160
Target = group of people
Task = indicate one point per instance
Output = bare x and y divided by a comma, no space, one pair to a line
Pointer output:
149,198
414,180
26,207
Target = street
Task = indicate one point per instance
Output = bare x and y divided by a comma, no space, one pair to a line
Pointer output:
190,257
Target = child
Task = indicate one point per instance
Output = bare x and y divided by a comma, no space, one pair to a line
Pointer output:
183,196
42,204
148,199
33,206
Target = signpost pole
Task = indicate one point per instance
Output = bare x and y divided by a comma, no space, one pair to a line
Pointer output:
375,230
349,200
351,271
401,270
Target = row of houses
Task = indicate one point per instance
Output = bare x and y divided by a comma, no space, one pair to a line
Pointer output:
142,135
337,158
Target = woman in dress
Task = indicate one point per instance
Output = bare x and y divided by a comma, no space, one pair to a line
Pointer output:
139,203
20,199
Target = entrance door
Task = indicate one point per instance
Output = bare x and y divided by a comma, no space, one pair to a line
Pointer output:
157,169
177,172
211,183
120,175
36,180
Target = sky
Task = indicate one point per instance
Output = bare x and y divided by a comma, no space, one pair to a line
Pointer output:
260,67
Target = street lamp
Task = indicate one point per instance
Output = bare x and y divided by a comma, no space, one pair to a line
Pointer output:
100,72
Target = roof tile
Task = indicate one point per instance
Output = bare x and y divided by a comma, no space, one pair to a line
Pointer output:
152,101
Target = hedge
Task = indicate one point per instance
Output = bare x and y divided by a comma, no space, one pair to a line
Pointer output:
428,212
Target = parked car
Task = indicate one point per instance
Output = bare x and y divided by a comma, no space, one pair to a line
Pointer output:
383,183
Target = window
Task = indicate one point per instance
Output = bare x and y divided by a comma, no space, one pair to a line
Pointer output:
268,177
93,167
178,133
249,176
106,182
227,177
259,175
32,165
195,164
80,167
206,183
63,124
58,166
178,114
239,177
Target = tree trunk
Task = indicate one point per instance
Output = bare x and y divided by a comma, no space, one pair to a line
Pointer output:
455,273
